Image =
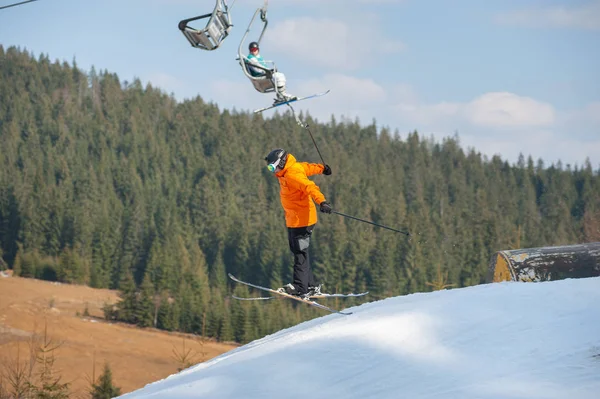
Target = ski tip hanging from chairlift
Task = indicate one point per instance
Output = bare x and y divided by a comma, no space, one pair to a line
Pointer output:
216,30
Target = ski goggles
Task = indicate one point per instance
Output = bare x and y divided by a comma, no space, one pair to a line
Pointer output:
273,166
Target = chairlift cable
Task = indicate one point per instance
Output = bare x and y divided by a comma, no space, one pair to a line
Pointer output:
16,4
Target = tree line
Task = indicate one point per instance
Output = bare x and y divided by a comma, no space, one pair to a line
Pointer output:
117,185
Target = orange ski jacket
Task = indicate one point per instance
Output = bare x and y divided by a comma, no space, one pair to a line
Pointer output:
297,192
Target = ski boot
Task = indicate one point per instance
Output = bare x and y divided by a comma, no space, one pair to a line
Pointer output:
289,289
314,290
283,97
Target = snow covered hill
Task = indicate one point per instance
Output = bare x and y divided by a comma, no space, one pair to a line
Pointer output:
505,340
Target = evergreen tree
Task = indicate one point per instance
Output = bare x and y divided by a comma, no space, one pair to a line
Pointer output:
145,309
49,385
104,387
225,330
72,268
128,304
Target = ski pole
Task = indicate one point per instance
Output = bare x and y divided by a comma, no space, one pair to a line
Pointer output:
369,222
305,125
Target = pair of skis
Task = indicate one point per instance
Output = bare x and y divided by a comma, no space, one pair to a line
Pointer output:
280,103
310,301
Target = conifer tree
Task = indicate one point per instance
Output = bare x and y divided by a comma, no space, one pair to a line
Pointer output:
49,385
226,330
104,388
145,308
128,299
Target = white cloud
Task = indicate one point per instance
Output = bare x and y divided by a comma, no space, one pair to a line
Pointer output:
502,109
502,123
350,96
330,42
494,109
354,92
585,16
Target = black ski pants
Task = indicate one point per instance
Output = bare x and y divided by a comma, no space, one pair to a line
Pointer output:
299,240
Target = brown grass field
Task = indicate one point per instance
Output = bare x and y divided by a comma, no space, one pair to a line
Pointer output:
136,356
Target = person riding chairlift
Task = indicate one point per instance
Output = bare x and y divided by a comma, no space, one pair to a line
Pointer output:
278,78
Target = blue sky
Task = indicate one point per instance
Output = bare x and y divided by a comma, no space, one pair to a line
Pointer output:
507,76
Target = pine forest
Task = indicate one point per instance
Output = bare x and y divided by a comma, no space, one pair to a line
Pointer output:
115,185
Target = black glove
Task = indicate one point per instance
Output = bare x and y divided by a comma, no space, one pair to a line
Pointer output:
327,170
325,207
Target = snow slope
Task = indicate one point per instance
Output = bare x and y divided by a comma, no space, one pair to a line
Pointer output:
504,340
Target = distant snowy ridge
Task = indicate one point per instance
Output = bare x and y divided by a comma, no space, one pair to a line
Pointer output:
503,340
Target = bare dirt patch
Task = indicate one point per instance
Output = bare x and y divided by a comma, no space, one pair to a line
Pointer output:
136,356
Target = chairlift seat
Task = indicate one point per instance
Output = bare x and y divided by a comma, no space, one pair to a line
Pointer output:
217,29
262,83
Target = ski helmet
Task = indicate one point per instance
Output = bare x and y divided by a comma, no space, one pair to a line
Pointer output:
276,160
252,46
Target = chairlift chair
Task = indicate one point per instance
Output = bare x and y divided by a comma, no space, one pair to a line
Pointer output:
217,29
262,83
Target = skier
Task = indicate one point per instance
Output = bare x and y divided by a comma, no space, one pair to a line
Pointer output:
297,194
254,58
